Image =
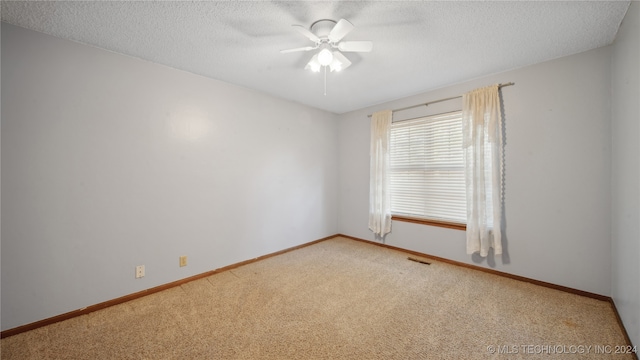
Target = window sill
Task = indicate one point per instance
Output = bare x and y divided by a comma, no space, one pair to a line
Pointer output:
439,223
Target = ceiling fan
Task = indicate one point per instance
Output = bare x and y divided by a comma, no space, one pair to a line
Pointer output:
327,35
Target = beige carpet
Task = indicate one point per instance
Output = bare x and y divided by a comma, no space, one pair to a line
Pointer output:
337,299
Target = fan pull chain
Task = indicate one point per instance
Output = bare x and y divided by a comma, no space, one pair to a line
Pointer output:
325,80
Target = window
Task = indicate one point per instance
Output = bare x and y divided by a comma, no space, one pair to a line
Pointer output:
427,169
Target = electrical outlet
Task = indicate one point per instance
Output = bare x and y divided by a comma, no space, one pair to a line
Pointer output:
139,271
183,260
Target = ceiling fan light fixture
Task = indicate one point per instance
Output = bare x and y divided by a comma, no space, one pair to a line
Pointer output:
313,64
340,62
325,57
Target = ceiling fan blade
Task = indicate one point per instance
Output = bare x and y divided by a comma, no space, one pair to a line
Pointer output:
306,32
355,46
342,28
306,48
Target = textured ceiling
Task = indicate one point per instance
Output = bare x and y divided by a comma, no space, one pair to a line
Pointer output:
418,45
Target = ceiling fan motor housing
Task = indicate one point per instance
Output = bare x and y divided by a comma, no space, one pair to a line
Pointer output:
322,28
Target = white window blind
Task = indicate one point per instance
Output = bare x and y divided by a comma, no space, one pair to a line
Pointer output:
427,168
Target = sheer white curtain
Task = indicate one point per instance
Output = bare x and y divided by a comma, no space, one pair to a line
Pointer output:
379,196
482,142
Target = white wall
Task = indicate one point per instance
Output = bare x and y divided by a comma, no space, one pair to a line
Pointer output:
625,184
558,135
109,162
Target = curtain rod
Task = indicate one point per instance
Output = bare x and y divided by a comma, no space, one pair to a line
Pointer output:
440,100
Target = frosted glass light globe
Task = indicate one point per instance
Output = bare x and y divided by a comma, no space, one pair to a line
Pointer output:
315,67
325,57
